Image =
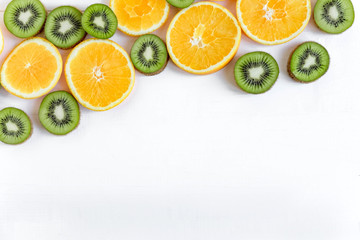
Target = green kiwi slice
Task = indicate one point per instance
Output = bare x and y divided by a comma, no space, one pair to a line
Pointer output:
99,21
149,54
15,126
334,16
180,3
256,72
308,62
24,18
63,27
59,113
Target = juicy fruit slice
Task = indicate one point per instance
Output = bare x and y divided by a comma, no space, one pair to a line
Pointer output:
256,72
308,62
1,42
149,54
138,17
99,74
15,126
334,16
59,113
203,38
273,22
24,18
180,3
32,69
99,21
63,27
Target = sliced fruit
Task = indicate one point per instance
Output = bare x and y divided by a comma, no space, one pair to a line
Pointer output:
149,54
334,16
1,42
256,72
99,21
308,62
180,3
203,38
138,17
15,126
32,69
59,113
24,18
63,27
273,22
99,74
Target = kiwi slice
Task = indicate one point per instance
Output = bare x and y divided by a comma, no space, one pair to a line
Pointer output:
256,72
149,54
99,21
334,16
24,18
59,113
180,3
15,126
63,27
308,62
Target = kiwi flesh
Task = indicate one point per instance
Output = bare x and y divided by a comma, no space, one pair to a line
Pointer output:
180,3
149,54
308,62
59,113
99,21
24,18
15,126
256,72
334,16
63,27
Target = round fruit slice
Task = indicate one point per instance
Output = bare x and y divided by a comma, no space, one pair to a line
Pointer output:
99,74
1,42
32,69
203,38
334,16
180,3
24,18
15,126
308,62
256,72
273,22
138,17
59,113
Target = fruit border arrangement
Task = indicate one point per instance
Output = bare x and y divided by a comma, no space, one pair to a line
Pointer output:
202,38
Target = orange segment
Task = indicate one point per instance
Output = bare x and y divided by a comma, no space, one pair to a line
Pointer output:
203,38
138,17
273,21
99,74
32,69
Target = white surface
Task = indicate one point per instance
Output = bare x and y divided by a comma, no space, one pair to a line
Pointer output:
193,157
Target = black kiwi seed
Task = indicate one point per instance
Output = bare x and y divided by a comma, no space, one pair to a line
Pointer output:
308,62
334,16
99,21
15,126
256,72
59,113
24,18
63,27
149,54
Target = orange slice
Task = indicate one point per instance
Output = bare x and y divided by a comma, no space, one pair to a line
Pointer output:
273,22
32,69
1,42
138,17
203,38
99,74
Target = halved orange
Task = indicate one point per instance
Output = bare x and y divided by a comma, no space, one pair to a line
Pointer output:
203,38
273,22
138,17
32,69
99,74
